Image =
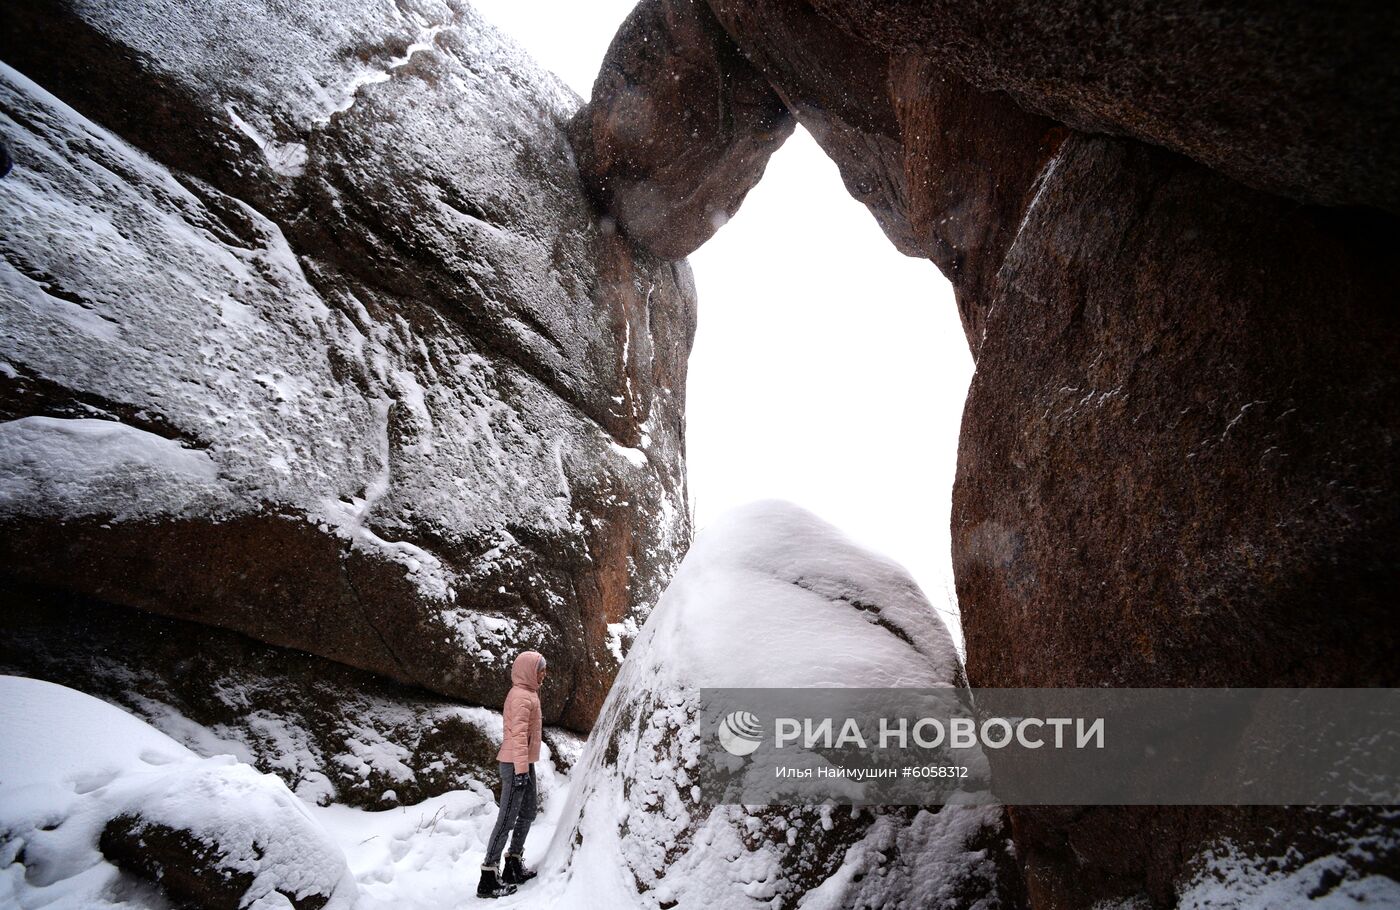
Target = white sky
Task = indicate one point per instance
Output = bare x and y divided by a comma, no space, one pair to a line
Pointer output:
828,369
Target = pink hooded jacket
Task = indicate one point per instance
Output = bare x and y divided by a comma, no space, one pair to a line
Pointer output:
521,714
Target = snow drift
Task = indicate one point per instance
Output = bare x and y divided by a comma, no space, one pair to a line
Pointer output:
78,775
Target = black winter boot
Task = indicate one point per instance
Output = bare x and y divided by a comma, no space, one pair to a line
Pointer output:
516,873
491,887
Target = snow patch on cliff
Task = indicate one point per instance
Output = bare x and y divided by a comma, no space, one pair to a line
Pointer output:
48,462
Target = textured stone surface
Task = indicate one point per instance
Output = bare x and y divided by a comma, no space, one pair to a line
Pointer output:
679,127
386,393
332,733
970,162
1294,97
1165,342
188,870
1177,464
836,87
1177,468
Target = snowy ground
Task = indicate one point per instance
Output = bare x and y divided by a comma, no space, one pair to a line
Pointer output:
428,856
773,569
69,763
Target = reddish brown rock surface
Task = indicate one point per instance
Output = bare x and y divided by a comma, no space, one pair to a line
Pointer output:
680,128
1178,462
1177,469
1165,342
1294,97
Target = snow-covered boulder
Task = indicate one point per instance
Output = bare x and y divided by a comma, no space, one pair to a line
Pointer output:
98,809
308,330
769,596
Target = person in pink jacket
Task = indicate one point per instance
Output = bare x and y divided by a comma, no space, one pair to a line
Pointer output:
520,749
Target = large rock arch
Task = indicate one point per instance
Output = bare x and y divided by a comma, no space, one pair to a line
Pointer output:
1178,462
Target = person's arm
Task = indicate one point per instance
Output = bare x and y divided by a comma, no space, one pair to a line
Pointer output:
518,733
537,723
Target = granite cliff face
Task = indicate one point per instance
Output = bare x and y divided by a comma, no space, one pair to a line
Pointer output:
1177,468
310,332
1178,463
1289,97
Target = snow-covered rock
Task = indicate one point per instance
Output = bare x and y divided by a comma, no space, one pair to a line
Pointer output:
308,330
1226,874
80,779
58,742
769,596
332,733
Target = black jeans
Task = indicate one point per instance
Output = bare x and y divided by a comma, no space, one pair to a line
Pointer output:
517,812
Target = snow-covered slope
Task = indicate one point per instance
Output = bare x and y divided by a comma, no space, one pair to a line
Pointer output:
74,769
70,765
768,596
376,384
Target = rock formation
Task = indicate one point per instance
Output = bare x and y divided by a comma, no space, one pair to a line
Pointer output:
312,333
334,734
1177,467
1177,464
1289,97
672,169
309,332
769,596
86,782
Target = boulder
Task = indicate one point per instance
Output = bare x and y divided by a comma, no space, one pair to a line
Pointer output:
190,870
769,596
310,332
679,128
82,782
